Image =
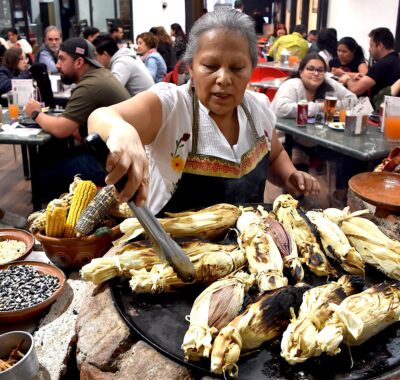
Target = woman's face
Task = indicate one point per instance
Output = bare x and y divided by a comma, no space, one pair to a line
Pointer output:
13,38
220,70
280,32
313,74
22,64
141,47
345,55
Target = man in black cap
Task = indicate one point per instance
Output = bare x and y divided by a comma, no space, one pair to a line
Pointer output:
96,87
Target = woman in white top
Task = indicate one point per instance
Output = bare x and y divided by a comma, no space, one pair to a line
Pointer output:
15,41
208,141
309,83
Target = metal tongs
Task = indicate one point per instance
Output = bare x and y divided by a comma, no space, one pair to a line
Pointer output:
167,249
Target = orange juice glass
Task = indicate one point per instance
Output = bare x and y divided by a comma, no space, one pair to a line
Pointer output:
292,60
392,128
13,111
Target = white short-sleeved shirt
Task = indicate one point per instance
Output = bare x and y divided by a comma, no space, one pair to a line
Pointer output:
168,152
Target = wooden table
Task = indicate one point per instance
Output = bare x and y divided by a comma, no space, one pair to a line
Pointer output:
367,148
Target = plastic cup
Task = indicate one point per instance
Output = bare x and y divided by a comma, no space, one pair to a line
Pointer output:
13,107
319,113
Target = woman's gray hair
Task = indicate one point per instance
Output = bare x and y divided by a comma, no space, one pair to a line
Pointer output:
225,19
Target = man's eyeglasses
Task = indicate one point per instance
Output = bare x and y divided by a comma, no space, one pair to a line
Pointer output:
312,69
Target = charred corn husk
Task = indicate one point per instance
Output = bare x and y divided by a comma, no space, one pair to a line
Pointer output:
209,266
263,256
304,234
261,321
361,316
336,244
373,245
213,309
95,211
137,256
209,223
287,248
56,217
84,192
299,341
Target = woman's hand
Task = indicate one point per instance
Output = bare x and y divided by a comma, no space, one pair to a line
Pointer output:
127,157
302,183
337,72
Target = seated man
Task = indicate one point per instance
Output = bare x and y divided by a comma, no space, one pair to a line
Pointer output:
96,87
47,53
124,64
381,74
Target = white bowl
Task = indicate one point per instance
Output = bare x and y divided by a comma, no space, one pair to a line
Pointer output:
28,367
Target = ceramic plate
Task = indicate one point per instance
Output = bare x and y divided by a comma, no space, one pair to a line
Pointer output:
31,312
20,235
336,126
378,188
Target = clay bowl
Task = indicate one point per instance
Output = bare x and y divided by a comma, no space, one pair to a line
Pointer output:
74,253
31,312
20,235
378,188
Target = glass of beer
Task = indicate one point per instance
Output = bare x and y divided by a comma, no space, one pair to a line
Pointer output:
13,107
392,118
330,106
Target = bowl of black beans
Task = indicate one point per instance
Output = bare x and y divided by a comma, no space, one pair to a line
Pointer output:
27,288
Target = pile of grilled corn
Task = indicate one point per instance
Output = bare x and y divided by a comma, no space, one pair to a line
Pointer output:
75,214
273,250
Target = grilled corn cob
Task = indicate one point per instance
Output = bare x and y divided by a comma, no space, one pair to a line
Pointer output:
263,256
56,216
299,341
209,223
84,192
261,321
304,234
209,266
287,248
138,255
373,245
361,316
95,211
336,244
213,309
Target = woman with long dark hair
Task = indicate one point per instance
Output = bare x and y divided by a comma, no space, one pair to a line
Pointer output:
14,66
180,40
165,46
327,45
350,58
308,83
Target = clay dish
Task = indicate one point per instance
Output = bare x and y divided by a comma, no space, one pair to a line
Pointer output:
378,188
31,312
20,235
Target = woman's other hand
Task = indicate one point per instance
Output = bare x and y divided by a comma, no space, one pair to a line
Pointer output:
302,183
337,71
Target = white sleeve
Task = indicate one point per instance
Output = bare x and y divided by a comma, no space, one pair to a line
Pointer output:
286,98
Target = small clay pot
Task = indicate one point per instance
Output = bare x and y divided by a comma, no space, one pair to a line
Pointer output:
74,253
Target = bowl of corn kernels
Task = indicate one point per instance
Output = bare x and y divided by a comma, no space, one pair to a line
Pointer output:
15,244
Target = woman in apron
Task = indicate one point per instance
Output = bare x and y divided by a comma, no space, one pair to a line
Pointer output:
207,141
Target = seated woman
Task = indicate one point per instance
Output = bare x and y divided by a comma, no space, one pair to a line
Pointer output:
14,66
310,83
147,48
15,41
350,58
207,141
327,45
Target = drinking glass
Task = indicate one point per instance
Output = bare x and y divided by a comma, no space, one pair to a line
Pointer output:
319,113
392,118
330,106
13,107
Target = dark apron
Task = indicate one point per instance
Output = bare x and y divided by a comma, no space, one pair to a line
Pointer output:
207,180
